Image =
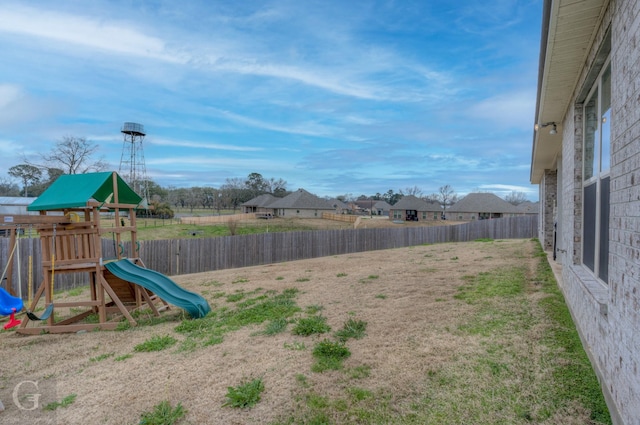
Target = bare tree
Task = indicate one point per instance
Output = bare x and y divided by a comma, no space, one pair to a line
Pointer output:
516,198
234,192
28,174
415,191
74,155
277,187
446,197
7,188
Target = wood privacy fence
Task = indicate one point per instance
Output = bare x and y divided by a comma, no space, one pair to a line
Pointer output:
217,219
183,256
340,217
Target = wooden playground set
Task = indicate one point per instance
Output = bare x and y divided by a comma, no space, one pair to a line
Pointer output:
70,230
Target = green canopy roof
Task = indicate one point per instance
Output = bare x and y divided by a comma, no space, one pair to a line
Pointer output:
75,190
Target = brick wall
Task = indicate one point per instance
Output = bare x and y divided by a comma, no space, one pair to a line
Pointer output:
607,314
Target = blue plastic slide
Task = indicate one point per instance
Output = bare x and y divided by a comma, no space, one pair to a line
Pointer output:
8,303
160,285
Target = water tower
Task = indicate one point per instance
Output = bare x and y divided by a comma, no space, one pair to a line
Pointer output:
132,167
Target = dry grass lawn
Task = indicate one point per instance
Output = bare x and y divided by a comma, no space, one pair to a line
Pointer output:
421,360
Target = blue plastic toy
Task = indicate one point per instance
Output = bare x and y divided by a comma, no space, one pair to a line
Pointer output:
9,306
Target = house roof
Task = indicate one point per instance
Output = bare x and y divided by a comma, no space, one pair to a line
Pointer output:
364,203
16,201
382,205
76,190
301,199
337,203
483,203
568,30
260,201
528,207
411,202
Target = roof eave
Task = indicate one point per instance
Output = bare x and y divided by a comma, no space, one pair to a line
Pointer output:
568,31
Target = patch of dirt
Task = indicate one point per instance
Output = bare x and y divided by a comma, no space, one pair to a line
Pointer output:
405,295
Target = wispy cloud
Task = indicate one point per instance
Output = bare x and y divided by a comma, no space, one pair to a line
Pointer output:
86,31
203,145
308,128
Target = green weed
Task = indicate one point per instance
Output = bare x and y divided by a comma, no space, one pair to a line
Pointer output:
313,309
245,395
163,414
67,401
306,326
359,394
156,343
101,357
352,329
235,297
329,355
276,326
122,358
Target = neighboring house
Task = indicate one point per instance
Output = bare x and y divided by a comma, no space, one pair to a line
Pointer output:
381,208
14,205
339,207
528,208
480,206
412,208
259,204
363,206
586,161
301,204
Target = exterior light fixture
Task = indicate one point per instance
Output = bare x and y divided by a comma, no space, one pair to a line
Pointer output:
553,130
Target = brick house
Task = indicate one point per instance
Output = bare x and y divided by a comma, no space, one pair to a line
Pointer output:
586,161
381,208
412,208
260,204
481,206
301,204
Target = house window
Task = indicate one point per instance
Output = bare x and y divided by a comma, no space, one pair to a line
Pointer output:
424,215
397,214
595,184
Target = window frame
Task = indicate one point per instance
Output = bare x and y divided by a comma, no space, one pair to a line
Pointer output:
596,205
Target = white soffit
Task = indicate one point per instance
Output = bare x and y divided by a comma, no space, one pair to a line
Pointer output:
572,27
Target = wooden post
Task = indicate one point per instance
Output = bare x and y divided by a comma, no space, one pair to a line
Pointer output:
9,275
134,234
116,200
97,243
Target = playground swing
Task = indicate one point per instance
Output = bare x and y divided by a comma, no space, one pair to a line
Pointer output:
10,305
15,304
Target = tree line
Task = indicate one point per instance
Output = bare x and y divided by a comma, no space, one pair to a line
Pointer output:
77,155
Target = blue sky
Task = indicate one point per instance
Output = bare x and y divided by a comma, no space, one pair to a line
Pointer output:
332,96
